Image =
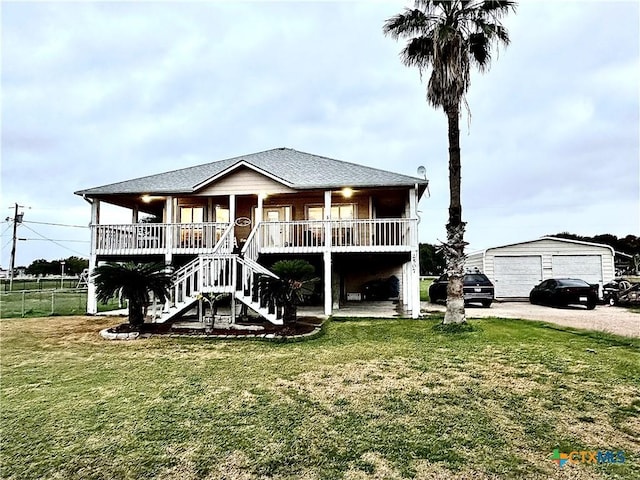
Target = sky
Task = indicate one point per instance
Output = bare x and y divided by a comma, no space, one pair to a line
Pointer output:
98,92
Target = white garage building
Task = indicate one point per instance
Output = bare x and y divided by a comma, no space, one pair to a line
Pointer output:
515,269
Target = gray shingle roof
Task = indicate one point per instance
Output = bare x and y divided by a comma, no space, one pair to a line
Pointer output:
296,169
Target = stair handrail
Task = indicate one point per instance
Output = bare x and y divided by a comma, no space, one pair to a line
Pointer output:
252,264
225,243
251,249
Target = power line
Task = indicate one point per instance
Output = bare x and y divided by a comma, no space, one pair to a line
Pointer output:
54,241
57,224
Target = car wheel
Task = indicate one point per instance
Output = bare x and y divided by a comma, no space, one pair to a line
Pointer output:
612,301
591,304
486,303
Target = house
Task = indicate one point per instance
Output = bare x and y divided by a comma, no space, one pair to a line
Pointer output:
222,224
515,269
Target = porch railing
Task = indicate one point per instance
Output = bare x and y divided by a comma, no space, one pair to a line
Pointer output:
382,234
150,238
358,234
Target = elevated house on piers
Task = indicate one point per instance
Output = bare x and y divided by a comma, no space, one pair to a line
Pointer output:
222,224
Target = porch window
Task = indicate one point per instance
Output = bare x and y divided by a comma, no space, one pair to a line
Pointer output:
345,211
191,234
342,234
222,214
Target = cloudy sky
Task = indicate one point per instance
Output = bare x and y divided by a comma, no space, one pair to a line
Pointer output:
94,93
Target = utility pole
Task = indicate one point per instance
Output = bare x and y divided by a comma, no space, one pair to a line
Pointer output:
16,220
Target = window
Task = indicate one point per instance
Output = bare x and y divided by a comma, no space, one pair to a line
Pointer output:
191,236
338,212
222,214
191,214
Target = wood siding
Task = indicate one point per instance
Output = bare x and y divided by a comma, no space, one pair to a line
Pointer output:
244,181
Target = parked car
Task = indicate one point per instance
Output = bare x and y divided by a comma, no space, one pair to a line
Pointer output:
477,288
381,289
621,292
564,291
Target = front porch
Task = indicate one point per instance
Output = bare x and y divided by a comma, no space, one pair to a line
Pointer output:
286,237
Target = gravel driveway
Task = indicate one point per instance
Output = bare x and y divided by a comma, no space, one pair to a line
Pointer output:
616,320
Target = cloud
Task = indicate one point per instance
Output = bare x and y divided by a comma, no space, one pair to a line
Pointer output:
95,93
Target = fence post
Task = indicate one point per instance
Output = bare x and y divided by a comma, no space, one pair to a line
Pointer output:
53,301
23,292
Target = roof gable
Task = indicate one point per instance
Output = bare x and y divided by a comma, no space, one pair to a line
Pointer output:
297,170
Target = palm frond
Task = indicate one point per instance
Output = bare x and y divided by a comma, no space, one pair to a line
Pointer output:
405,24
418,52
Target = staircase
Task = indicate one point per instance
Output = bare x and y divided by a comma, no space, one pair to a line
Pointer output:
221,272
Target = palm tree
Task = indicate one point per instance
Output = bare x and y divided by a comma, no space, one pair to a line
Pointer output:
295,281
134,281
448,37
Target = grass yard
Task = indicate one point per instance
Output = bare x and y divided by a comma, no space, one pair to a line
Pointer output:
424,289
39,303
370,399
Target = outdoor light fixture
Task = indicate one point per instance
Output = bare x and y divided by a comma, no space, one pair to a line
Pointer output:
347,192
150,198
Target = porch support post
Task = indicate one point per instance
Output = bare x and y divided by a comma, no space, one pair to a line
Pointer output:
168,238
168,210
328,297
413,203
414,275
135,214
414,267
327,217
92,301
232,208
258,218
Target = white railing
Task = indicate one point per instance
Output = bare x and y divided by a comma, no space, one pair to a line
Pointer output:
360,234
227,242
149,238
206,273
225,273
249,289
251,249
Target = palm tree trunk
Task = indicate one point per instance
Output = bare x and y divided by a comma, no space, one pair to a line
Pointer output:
454,249
136,312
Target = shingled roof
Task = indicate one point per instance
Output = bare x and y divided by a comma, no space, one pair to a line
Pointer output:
298,170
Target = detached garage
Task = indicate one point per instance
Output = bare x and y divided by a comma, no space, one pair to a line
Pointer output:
516,269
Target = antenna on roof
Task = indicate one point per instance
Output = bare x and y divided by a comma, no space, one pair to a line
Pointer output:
423,173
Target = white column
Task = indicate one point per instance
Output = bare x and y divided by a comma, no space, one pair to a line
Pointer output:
170,232
92,301
414,275
406,282
328,275
328,298
232,208
413,203
135,213
327,217
258,218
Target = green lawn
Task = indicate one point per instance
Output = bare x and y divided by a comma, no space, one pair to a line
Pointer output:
370,399
424,289
38,303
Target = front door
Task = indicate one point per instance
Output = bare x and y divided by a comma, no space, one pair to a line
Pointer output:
276,232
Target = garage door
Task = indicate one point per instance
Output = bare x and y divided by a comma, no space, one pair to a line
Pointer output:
585,267
516,276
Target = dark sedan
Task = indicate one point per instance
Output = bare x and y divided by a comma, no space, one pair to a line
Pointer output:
560,292
476,286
